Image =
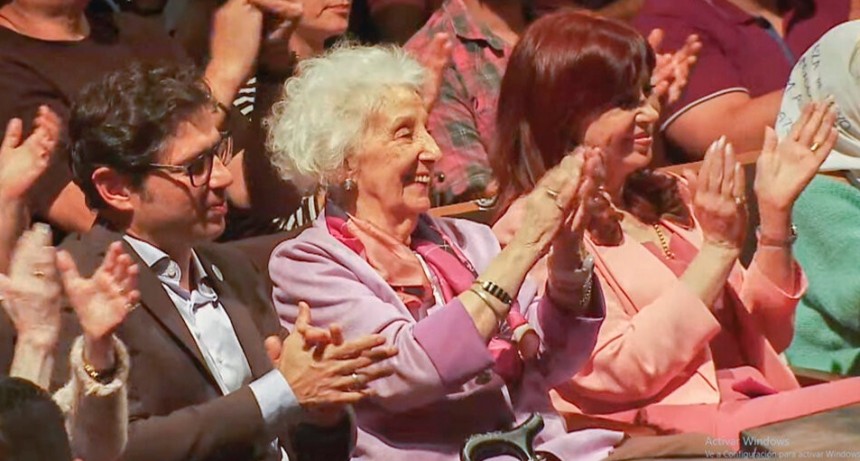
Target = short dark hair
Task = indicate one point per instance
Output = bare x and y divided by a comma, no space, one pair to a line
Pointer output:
32,426
124,120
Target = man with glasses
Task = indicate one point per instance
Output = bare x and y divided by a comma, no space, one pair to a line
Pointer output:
148,155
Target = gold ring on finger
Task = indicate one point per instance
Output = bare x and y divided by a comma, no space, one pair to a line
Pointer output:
131,306
814,147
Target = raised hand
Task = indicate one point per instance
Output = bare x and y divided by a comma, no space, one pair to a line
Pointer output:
22,161
322,374
672,70
102,301
31,292
783,170
435,60
281,17
719,202
555,201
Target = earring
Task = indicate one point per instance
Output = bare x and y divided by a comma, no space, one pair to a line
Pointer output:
349,184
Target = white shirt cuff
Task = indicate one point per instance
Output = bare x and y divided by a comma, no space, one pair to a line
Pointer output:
277,401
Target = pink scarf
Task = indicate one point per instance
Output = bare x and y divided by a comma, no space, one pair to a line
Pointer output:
452,273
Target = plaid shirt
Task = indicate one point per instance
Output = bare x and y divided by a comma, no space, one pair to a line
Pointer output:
463,120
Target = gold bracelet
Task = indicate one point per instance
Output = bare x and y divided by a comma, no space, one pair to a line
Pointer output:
489,303
496,291
102,377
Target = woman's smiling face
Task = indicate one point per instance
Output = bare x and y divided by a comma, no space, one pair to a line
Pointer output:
393,163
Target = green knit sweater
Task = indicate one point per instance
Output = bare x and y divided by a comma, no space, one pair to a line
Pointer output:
827,336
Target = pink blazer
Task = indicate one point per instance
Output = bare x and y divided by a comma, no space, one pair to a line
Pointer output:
653,346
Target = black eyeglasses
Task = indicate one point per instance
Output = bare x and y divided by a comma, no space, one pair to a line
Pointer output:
199,169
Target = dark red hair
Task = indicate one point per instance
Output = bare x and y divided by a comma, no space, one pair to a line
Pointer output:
570,66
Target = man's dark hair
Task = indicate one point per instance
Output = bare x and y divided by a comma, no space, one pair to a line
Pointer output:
124,120
32,427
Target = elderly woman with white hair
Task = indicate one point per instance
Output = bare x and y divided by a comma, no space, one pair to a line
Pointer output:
827,332
479,348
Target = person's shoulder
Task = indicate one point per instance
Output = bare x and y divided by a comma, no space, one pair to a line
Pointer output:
313,241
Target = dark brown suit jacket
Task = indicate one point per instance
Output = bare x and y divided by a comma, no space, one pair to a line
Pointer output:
176,409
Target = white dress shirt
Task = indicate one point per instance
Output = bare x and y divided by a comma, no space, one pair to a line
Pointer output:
213,331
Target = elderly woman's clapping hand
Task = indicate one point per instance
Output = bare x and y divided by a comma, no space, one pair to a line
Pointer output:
326,372
31,292
558,204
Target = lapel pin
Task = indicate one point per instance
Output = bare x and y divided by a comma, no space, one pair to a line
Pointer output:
217,273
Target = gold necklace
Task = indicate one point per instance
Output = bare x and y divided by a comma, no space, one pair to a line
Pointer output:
664,243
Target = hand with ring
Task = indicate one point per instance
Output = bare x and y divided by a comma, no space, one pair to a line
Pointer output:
102,301
784,169
556,201
325,371
31,291
718,192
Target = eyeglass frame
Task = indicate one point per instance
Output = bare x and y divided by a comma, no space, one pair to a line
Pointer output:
212,152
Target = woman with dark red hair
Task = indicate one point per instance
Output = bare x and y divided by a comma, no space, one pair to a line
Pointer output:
691,340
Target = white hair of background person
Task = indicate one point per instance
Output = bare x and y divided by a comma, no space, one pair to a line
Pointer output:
830,67
323,110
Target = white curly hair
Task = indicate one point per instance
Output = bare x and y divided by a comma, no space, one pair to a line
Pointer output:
323,110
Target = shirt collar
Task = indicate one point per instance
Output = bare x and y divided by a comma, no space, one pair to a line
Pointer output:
466,28
165,268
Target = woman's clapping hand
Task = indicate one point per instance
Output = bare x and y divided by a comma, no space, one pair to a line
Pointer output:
559,200
784,169
718,191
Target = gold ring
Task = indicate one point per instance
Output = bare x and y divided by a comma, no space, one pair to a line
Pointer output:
38,273
131,306
814,147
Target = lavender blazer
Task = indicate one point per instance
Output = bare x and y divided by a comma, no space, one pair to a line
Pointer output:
443,389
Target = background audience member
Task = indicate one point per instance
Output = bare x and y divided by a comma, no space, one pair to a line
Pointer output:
94,399
463,119
50,50
147,152
694,346
827,335
354,121
483,33
749,48
22,161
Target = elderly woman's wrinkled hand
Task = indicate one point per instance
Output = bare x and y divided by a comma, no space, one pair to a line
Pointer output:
783,170
31,292
672,70
719,200
327,375
22,161
555,201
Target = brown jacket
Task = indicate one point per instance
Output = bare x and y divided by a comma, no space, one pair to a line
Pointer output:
176,409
